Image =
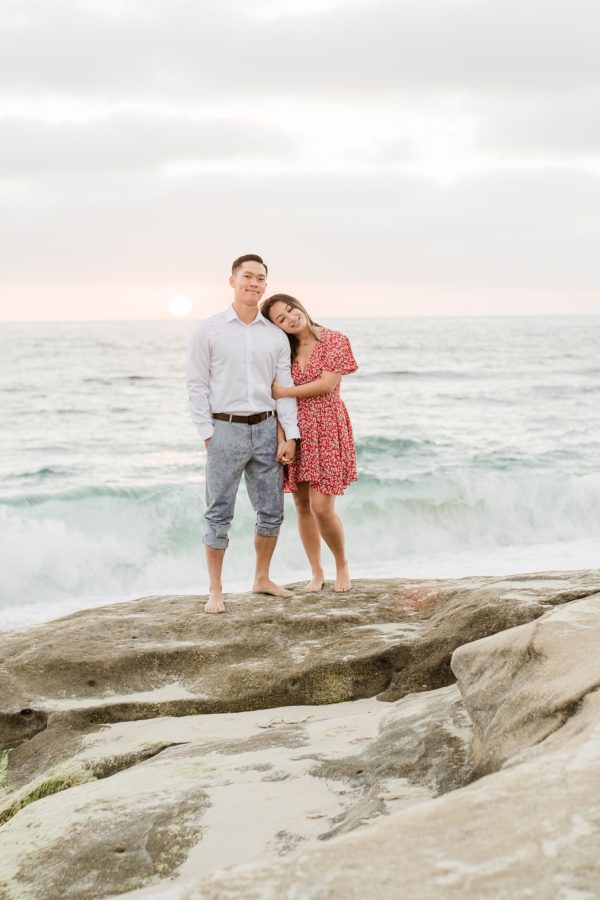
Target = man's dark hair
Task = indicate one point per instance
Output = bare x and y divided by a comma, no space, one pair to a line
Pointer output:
249,257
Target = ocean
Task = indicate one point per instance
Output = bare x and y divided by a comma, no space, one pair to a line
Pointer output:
478,443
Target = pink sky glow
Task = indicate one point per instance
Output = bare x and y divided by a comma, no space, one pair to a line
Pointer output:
84,302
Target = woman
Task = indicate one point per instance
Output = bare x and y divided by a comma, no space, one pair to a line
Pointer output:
325,461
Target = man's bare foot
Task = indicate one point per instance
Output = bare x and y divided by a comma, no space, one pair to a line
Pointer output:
315,584
269,587
215,603
342,579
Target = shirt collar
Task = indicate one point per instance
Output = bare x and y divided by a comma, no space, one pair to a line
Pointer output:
230,315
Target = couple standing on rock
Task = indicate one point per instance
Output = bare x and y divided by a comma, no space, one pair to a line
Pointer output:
269,406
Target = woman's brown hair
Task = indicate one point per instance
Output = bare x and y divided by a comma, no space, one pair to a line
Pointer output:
265,309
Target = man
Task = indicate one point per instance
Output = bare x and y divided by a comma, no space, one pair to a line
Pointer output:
233,359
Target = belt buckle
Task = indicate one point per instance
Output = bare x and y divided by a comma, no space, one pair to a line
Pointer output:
254,419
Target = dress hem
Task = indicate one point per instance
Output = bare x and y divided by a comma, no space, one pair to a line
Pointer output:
288,489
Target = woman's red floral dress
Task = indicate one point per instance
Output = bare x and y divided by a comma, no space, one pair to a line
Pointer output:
325,455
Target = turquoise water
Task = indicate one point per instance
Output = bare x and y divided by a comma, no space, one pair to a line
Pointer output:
478,445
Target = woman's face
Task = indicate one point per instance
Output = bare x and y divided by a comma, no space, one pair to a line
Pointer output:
288,318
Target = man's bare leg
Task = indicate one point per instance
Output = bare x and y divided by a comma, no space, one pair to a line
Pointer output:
264,547
214,561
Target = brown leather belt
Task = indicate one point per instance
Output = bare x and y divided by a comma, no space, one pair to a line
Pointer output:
245,420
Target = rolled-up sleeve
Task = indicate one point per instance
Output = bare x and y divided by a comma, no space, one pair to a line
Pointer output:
198,367
287,408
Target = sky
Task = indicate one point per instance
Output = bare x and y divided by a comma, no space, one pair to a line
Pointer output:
385,157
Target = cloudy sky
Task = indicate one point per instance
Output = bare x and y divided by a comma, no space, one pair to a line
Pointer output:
393,157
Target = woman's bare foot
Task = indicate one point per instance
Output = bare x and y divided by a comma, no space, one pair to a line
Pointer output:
342,579
215,603
315,584
269,587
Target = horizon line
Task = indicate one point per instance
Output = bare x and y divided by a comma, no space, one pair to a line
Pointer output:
513,315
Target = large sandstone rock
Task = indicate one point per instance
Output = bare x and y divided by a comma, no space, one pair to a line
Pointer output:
114,777
528,681
531,829
164,656
228,788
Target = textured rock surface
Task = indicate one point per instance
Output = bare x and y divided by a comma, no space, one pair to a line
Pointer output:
163,656
114,778
531,829
529,681
230,788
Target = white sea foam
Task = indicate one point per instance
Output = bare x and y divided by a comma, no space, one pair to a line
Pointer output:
63,554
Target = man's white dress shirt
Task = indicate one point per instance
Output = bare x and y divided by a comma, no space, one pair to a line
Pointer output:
231,367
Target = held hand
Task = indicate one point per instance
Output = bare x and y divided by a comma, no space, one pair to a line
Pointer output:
286,452
278,391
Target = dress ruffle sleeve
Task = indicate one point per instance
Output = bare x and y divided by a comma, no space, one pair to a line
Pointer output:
338,355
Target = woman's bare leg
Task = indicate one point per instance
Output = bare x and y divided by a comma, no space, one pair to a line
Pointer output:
332,532
309,535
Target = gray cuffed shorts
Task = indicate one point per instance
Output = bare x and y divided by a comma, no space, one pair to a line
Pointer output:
234,449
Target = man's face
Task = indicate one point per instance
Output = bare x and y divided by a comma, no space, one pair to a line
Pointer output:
249,282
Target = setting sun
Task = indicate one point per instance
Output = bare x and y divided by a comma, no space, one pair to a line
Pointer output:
180,306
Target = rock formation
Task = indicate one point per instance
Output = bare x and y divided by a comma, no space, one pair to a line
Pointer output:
414,739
